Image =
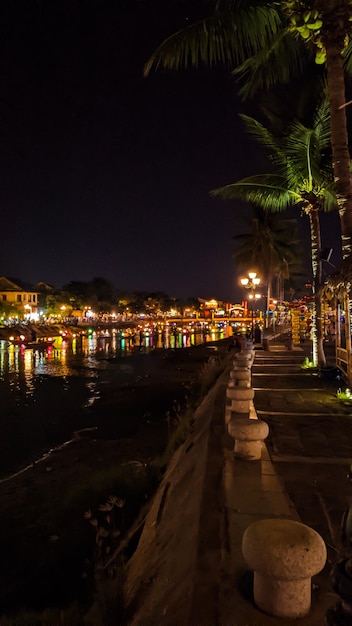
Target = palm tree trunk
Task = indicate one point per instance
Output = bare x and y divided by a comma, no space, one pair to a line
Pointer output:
317,319
339,140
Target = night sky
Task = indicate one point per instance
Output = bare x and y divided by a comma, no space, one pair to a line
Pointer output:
106,173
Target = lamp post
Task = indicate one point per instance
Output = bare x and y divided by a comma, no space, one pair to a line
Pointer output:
253,297
251,282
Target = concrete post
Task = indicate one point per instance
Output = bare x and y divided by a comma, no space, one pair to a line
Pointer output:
239,398
284,555
249,435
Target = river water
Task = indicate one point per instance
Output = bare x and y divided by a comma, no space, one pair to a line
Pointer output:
47,395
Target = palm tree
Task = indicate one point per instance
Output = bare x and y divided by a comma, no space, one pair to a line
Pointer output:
270,247
267,41
303,179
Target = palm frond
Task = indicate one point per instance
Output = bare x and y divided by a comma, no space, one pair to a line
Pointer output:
278,62
321,123
262,135
233,5
240,237
265,190
270,245
307,159
227,37
347,53
299,148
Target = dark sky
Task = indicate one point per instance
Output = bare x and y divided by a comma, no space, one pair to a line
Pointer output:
106,173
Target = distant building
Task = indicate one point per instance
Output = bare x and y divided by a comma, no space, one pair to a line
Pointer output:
21,295
218,308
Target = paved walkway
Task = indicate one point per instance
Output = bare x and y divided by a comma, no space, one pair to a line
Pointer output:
302,476
188,569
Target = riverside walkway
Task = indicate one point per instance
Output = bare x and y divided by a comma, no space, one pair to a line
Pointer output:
188,569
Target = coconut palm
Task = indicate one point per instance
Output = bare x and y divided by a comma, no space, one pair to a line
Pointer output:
270,247
267,41
304,179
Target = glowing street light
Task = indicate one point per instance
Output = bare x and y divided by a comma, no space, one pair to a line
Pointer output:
251,282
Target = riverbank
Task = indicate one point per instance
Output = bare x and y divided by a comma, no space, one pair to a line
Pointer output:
45,541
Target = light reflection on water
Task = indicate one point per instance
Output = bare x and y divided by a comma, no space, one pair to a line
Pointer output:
43,392
20,366
64,357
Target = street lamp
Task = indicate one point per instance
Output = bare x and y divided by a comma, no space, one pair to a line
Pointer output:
253,297
251,282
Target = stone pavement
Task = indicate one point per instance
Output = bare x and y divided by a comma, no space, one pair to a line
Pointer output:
188,569
302,476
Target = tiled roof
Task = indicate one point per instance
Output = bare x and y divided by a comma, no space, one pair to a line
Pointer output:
15,284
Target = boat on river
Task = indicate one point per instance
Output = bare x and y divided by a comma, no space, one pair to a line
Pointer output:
35,344
39,344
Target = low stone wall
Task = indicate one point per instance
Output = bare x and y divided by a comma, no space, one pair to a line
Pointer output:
172,571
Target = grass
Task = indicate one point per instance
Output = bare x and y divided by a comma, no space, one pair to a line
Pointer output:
344,396
308,364
183,421
134,479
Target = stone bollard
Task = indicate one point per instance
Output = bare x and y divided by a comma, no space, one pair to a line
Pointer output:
284,555
240,398
242,365
249,435
243,356
248,350
241,377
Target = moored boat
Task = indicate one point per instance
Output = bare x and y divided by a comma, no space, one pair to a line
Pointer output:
41,343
